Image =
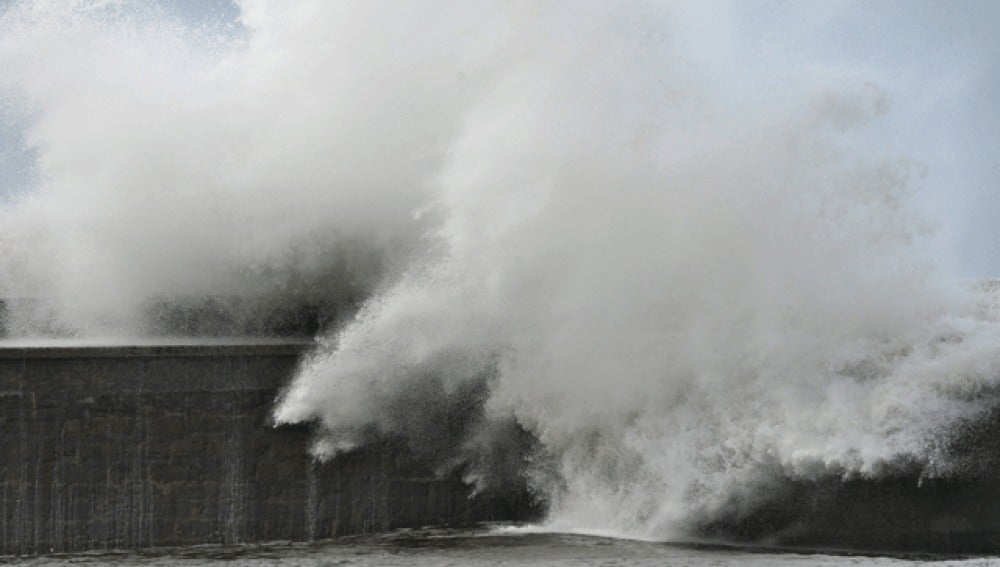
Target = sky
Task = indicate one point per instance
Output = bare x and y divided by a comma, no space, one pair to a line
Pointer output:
938,62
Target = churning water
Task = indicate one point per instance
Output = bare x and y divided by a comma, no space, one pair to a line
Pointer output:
462,549
653,272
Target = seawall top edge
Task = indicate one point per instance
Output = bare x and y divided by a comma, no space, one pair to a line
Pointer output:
152,348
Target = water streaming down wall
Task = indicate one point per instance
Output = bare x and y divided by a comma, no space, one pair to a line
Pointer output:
110,447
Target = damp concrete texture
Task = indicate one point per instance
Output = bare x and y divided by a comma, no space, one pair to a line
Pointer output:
135,446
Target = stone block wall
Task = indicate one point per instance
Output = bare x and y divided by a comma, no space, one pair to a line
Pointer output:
141,446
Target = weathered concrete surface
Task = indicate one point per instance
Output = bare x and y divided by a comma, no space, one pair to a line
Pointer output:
140,445
149,445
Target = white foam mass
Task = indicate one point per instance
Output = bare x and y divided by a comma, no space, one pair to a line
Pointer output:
680,271
187,162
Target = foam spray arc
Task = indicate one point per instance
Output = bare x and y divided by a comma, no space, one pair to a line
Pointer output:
677,298
563,224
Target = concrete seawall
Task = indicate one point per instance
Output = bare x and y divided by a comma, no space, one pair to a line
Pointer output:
133,446
143,445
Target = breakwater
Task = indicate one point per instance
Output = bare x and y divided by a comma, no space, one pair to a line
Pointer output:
171,443
902,510
903,514
134,446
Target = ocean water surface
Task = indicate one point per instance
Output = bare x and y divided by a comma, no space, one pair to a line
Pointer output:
493,547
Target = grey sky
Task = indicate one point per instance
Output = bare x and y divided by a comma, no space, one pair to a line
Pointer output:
938,62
